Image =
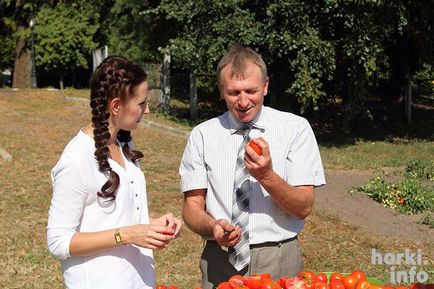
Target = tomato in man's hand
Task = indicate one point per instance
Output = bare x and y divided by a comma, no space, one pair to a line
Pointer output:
255,147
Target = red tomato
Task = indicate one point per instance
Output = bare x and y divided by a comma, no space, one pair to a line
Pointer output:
306,275
224,285
388,287
336,277
359,275
173,287
159,286
349,282
253,281
364,284
337,285
255,147
283,281
321,285
265,276
236,280
400,287
320,277
429,286
417,286
294,283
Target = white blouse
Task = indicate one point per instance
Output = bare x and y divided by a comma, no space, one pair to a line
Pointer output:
75,207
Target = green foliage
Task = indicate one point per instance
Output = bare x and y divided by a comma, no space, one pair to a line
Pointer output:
64,37
423,80
421,169
132,33
407,195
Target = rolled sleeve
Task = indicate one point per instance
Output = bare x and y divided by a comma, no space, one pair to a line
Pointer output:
67,205
192,170
304,165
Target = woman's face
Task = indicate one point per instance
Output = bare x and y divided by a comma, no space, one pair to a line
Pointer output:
131,112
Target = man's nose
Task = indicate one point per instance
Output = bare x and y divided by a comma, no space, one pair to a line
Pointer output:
243,99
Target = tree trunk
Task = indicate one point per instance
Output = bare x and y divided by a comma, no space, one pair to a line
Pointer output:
193,96
23,63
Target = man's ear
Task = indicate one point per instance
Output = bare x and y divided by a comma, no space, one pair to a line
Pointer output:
114,105
266,86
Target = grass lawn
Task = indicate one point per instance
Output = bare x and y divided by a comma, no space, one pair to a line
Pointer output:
35,125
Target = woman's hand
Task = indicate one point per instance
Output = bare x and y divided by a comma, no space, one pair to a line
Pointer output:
170,221
150,236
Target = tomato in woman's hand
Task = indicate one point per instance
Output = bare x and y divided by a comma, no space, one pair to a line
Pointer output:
159,286
236,280
255,147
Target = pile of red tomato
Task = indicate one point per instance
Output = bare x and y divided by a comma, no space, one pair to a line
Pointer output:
307,280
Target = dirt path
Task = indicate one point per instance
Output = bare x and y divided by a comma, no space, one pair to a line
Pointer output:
358,209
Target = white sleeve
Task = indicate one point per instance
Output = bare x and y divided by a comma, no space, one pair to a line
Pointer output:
304,165
67,204
192,169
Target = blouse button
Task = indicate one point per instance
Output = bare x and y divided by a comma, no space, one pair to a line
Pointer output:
136,195
137,208
132,182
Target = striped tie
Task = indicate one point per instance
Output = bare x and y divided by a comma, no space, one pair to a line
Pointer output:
239,255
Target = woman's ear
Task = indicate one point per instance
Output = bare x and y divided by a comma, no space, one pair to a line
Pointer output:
114,106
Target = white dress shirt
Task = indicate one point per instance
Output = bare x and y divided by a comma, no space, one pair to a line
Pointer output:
209,163
75,207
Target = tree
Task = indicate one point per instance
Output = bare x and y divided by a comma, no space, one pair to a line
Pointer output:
15,50
64,38
315,50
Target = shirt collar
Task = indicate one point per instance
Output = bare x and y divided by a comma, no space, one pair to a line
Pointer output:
258,122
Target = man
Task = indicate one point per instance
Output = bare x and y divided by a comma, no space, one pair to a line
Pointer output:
249,207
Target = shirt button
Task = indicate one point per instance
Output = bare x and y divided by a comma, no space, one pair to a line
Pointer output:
137,208
132,182
136,195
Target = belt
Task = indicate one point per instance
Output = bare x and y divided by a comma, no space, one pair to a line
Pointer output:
272,244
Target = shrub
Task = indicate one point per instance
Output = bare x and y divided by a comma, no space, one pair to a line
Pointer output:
408,195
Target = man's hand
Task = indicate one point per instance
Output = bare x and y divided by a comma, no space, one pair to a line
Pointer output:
259,166
226,234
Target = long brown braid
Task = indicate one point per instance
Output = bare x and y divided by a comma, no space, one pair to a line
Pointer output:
114,77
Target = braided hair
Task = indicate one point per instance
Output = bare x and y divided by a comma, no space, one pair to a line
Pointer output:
114,77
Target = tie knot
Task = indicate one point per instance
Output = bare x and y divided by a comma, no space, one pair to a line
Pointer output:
245,129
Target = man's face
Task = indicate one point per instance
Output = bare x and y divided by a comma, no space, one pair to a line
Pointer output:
244,96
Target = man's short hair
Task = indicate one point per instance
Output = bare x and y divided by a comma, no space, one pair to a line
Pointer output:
238,57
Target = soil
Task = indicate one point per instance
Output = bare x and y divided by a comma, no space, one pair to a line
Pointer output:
358,209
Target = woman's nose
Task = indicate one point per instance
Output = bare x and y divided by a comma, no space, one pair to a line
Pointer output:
146,111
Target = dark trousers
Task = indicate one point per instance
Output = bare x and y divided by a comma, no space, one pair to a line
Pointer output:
277,258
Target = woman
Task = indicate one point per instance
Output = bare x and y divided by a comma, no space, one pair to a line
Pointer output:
98,224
